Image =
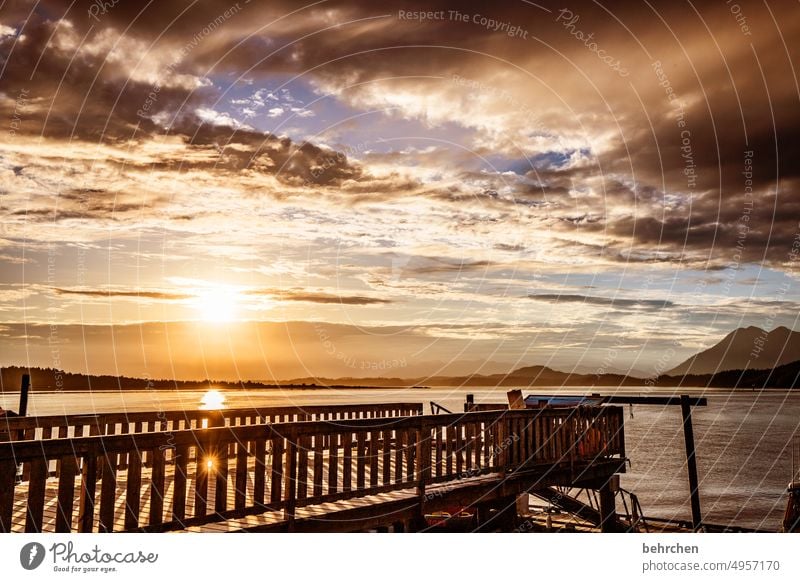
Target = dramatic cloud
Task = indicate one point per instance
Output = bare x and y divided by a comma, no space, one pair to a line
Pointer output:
602,301
130,294
310,297
404,165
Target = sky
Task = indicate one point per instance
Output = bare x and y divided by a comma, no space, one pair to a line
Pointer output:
274,190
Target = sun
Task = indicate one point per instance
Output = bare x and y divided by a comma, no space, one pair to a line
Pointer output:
217,304
212,400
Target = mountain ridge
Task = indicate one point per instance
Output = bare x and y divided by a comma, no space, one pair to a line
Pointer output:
745,348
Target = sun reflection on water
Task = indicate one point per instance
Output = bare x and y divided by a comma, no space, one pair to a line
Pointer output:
212,400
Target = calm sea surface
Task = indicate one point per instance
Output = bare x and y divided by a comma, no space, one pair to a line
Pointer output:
743,438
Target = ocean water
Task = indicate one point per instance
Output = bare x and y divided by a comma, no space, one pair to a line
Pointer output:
744,439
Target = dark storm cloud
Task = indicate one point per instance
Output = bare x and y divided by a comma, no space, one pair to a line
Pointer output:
305,296
441,265
131,294
82,84
340,299
650,304
299,295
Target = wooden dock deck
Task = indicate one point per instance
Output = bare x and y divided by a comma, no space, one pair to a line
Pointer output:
348,474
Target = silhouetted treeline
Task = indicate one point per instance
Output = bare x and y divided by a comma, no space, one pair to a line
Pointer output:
50,379
786,376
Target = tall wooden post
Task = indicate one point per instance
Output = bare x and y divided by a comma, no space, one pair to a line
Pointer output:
608,508
691,462
505,520
482,517
23,394
791,519
422,470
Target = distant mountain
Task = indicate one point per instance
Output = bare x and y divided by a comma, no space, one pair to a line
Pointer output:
527,376
786,376
747,348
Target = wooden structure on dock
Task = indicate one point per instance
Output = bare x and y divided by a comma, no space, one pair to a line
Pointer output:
323,469
686,402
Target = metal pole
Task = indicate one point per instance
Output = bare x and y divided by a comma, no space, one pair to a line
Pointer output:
23,395
691,462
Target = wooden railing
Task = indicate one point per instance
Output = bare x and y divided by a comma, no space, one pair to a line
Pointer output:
204,475
78,425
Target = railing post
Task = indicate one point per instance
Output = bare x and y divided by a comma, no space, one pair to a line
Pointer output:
290,481
8,475
422,470
423,460
500,448
620,433
572,439
88,485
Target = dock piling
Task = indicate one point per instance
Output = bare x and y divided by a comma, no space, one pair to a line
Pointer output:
24,388
608,508
691,462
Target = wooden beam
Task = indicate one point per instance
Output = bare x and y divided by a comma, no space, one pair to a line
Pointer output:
691,462
622,399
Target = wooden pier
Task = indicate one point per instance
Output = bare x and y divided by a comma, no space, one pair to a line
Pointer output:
307,469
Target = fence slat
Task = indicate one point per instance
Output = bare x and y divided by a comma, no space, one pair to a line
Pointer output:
459,449
361,459
36,488
373,458
347,461
240,486
179,484
290,482
108,491
399,443
132,490
259,481
438,444
411,442
469,430
302,467
277,471
88,484
318,463
157,489
68,468
220,458
448,447
387,456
